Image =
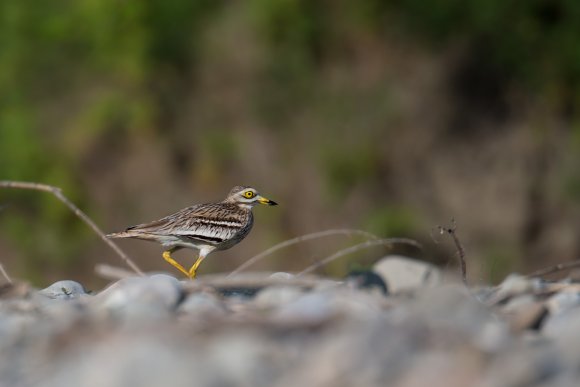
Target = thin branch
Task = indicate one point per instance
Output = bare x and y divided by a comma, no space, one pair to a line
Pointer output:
452,230
554,269
355,248
299,239
255,280
59,195
109,272
5,274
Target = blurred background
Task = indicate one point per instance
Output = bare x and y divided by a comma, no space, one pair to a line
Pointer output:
389,116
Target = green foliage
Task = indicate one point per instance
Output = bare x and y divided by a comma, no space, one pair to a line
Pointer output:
389,221
294,29
79,76
347,166
50,50
532,41
499,261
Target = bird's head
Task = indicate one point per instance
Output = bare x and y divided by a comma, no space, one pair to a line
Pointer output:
247,197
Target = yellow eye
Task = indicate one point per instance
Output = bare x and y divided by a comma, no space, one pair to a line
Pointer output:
249,194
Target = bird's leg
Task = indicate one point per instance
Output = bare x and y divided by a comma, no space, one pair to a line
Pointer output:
173,262
193,270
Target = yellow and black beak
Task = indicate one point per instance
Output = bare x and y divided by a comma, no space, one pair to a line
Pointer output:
263,200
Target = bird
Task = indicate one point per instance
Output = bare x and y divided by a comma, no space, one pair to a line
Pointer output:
205,227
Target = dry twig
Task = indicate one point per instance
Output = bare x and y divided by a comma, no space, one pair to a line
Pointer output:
555,269
115,273
452,230
60,196
252,280
355,248
5,274
302,238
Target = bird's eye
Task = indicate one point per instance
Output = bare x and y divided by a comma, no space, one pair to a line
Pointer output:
249,194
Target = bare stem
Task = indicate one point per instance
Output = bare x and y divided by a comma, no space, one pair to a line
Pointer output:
59,195
112,272
300,239
5,274
452,230
355,248
555,269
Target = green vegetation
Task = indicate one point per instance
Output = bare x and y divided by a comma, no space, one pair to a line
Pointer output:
88,85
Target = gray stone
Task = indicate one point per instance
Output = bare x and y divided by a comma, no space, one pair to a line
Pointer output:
203,306
484,293
563,301
514,285
518,302
319,306
367,281
453,308
562,329
312,307
522,364
276,296
13,326
359,304
524,312
245,359
146,331
135,358
142,299
403,273
63,290
281,276
440,368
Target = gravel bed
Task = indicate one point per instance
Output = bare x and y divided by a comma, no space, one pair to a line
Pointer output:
400,325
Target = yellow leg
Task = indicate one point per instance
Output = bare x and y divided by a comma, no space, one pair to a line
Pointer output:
167,257
193,270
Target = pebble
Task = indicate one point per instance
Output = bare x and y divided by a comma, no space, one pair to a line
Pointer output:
524,312
280,275
275,296
139,299
202,305
367,280
453,308
313,308
155,330
562,302
63,290
403,273
515,285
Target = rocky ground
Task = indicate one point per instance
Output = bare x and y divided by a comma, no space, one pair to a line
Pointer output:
401,325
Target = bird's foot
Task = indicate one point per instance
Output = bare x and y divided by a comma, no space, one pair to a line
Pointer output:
174,263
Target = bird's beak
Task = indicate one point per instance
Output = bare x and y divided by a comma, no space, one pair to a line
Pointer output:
263,200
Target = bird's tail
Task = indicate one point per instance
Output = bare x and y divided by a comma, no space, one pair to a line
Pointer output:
121,234
129,233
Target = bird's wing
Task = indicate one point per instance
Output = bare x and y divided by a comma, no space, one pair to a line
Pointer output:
169,222
205,222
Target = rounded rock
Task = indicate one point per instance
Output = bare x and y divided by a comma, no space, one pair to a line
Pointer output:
403,273
275,296
64,290
562,302
311,307
203,305
142,297
280,275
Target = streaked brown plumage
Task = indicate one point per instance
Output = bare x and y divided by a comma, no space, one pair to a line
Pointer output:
206,227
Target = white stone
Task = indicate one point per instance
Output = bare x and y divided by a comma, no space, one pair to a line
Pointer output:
141,299
274,296
63,290
402,273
